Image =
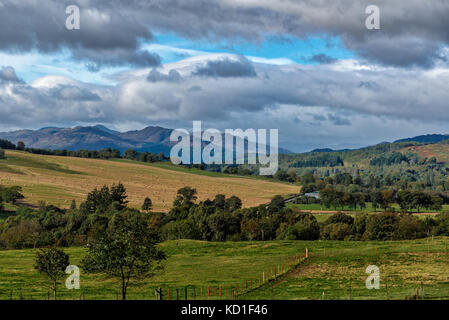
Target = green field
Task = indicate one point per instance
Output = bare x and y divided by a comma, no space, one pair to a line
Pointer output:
368,209
403,266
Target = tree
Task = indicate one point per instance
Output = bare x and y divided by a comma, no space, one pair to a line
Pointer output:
387,198
276,204
233,203
126,250
2,154
20,145
52,262
11,194
130,154
147,204
185,197
118,196
73,205
220,201
376,199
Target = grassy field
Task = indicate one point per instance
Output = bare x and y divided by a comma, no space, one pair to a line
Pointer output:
333,267
367,209
58,180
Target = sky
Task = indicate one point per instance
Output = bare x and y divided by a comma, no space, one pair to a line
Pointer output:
310,68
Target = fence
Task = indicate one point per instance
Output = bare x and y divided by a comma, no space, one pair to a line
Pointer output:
232,290
235,289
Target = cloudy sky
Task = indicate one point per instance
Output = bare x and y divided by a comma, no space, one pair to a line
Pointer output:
309,68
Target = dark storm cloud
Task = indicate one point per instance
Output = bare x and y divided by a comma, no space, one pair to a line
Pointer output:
322,58
413,33
69,92
338,121
9,74
226,68
108,36
156,76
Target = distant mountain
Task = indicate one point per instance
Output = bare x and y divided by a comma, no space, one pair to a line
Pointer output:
150,139
428,138
329,150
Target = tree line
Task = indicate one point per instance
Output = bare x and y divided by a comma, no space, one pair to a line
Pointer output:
104,153
219,219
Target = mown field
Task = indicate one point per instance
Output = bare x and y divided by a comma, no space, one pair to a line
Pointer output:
334,267
58,180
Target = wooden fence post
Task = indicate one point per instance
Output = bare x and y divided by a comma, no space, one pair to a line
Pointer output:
185,293
307,252
177,294
168,294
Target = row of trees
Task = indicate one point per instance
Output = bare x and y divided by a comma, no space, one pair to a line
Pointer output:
406,199
107,153
218,219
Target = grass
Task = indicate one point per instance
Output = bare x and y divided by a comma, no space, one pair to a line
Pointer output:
368,209
403,266
58,180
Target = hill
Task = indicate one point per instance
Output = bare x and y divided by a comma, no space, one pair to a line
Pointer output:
428,138
153,139
58,180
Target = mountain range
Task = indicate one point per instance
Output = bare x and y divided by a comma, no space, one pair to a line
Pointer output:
150,139
153,138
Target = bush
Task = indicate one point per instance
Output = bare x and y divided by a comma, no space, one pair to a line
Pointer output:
410,227
306,228
340,218
381,226
336,231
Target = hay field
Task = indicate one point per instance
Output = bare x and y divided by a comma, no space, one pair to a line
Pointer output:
58,180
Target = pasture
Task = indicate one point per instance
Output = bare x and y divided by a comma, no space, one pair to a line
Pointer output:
336,268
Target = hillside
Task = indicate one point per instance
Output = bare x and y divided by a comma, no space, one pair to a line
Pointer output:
58,180
154,139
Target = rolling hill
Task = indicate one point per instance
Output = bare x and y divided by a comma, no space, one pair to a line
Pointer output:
58,180
154,139
150,139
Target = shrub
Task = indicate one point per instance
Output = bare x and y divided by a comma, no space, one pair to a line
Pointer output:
336,231
410,227
381,226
